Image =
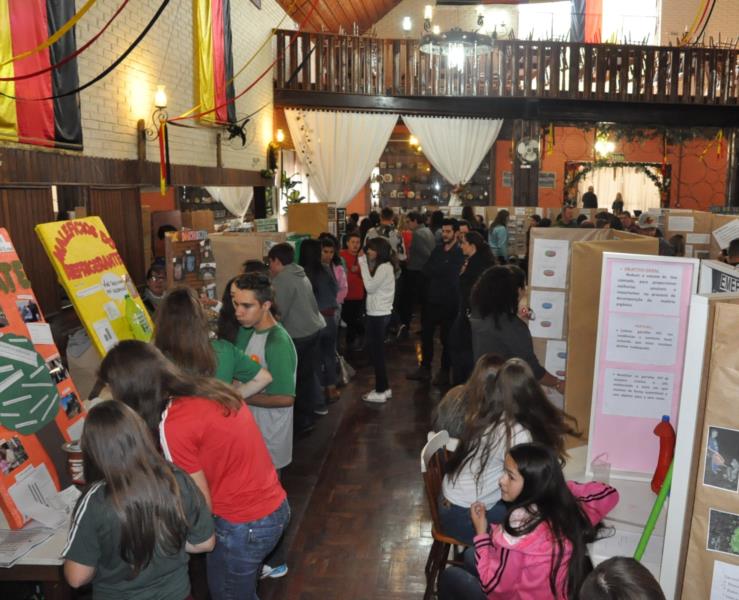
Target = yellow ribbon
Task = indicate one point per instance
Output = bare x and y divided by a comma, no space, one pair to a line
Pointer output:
55,37
248,62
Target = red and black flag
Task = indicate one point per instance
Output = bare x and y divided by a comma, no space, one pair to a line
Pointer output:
24,26
587,21
215,59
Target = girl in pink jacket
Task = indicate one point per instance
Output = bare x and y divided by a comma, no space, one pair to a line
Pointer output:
539,551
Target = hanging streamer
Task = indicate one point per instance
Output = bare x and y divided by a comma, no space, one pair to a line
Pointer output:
107,71
68,57
57,35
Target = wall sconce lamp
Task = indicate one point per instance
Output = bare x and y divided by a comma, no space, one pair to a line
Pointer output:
428,14
407,24
159,115
280,136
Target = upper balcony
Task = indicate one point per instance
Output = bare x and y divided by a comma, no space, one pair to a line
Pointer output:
520,79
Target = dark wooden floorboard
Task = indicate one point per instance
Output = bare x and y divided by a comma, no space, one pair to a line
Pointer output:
361,528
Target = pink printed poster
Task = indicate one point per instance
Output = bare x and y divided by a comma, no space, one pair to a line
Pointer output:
640,353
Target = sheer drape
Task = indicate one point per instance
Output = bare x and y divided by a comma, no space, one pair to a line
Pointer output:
454,146
638,191
338,149
235,199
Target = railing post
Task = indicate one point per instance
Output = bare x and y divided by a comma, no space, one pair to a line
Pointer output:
280,59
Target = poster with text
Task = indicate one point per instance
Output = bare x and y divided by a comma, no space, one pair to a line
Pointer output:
39,405
640,352
94,277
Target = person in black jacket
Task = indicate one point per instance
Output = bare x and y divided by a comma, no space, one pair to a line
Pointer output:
440,308
478,258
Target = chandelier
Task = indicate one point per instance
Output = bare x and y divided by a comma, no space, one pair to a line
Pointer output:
457,45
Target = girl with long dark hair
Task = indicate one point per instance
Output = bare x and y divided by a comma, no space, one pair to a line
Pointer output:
539,552
477,258
191,348
205,428
140,515
510,409
496,326
378,275
325,289
498,236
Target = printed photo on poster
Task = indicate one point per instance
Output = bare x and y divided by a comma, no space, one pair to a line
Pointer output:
70,403
29,311
723,532
721,464
12,454
57,370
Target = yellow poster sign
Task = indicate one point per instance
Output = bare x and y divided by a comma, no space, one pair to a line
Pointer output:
95,279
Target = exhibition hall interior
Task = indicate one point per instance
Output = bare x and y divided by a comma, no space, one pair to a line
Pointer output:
358,299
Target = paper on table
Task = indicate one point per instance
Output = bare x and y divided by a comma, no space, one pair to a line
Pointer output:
725,582
681,223
726,233
556,358
550,260
549,310
40,333
14,544
33,485
623,543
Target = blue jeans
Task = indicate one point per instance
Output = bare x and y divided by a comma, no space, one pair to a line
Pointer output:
457,523
234,565
461,583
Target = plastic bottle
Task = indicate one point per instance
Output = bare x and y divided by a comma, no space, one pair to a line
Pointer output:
666,435
137,321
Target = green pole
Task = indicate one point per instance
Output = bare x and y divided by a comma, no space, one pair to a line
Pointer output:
654,515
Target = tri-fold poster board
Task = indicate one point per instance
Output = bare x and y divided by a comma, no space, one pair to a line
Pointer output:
40,408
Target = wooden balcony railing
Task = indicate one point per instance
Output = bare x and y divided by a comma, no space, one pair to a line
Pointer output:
343,64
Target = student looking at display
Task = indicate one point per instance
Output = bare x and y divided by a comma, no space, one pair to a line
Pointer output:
506,409
496,327
156,286
140,515
206,429
191,349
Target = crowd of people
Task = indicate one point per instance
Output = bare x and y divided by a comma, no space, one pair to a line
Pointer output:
188,455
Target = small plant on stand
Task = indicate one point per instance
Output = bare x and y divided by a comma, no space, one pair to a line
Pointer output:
289,189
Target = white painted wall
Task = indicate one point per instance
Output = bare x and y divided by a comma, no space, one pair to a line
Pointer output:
111,108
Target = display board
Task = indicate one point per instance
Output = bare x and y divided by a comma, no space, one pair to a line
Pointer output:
717,277
40,408
582,315
190,261
640,352
92,273
711,566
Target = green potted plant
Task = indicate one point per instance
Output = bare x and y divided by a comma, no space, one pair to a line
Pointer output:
289,191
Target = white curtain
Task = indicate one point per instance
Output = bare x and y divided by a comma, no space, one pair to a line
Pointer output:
338,149
235,199
637,190
454,146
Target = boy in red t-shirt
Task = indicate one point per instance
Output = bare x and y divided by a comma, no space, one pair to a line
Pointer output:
352,311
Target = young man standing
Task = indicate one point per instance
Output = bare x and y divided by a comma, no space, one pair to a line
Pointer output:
413,285
301,318
442,298
267,342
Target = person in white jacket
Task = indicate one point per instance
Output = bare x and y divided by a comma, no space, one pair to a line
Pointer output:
378,275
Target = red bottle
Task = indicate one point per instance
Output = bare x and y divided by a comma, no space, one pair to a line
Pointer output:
666,435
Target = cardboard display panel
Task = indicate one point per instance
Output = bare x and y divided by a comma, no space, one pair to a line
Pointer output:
582,317
92,273
712,557
40,408
311,218
724,228
233,249
190,261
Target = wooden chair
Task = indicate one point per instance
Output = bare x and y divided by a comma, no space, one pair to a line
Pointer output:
433,459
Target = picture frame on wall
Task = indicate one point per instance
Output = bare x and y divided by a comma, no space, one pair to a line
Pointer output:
257,3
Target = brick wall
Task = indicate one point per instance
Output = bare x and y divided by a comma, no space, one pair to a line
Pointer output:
678,14
111,108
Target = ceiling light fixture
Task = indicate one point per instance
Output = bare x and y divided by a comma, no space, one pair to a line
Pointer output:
456,44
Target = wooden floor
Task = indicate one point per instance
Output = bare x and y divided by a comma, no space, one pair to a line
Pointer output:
361,528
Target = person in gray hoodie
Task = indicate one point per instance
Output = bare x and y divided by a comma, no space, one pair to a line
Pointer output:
299,315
